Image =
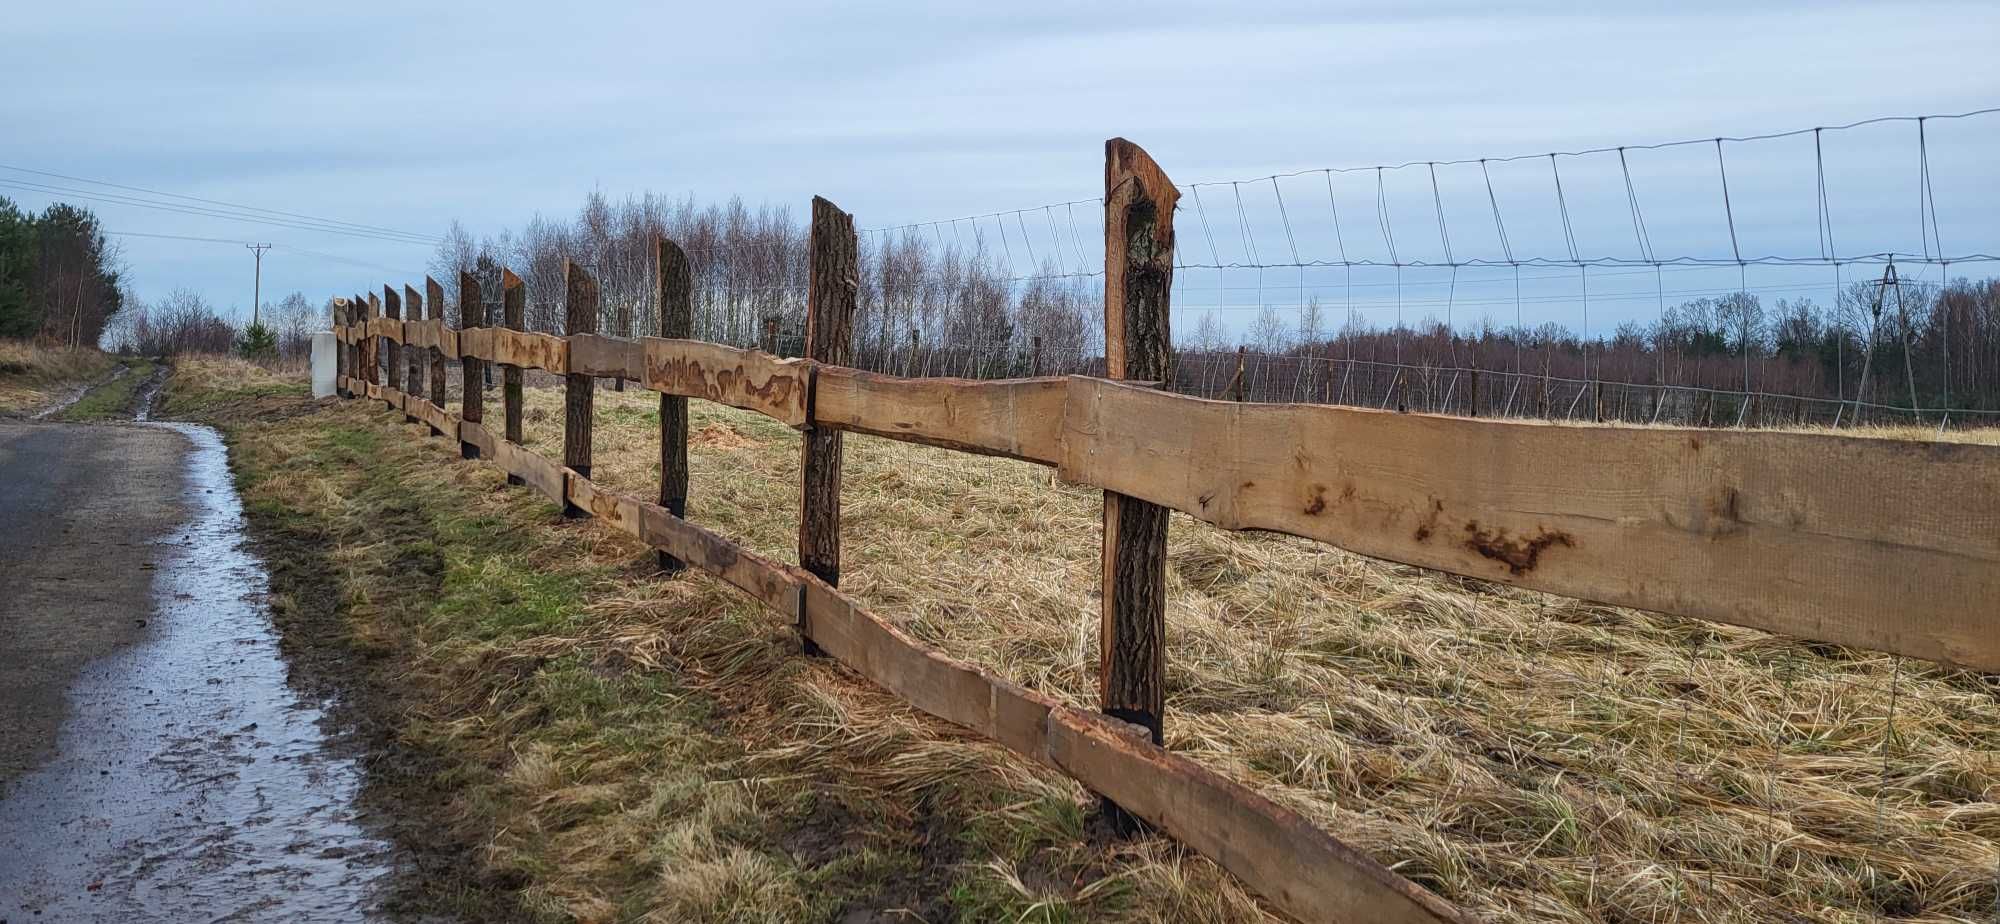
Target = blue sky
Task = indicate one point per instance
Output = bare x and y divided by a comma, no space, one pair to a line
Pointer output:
408,116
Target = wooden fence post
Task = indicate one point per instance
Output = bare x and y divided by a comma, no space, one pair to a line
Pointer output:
375,351
1035,362
833,275
413,373
513,316
392,308
1475,390
1138,278
436,357
340,349
357,315
676,301
471,314
581,391
770,342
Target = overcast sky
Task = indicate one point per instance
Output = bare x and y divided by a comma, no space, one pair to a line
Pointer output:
408,115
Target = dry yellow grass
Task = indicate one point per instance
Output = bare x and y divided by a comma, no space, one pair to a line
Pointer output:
34,375
1529,757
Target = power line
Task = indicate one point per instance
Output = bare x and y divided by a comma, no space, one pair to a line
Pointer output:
247,208
60,193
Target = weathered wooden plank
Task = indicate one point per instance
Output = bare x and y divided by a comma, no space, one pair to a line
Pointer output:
539,473
606,357
528,350
476,434
746,379
1841,539
477,343
773,584
616,510
1014,418
931,681
1282,856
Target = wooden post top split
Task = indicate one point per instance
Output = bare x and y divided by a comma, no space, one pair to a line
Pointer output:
468,299
1132,179
581,309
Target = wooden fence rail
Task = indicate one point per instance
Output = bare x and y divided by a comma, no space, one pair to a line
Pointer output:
1879,544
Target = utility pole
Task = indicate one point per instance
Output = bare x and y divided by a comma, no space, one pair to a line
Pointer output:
257,293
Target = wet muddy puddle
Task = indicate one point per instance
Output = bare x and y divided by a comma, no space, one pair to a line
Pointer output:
192,782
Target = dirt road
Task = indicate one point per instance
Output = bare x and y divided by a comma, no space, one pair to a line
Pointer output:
154,763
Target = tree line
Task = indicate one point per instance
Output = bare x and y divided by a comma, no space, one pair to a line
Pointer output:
933,307
923,309
1912,345
60,279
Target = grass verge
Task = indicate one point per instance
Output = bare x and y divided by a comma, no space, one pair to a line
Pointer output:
605,745
34,376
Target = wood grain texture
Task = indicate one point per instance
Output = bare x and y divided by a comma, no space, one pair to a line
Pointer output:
1014,418
746,379
675,298
513,316
473,433
527,349
1138,276
579,391
1839,539
472,369
606,357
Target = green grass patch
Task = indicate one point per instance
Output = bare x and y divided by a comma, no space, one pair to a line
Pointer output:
115,399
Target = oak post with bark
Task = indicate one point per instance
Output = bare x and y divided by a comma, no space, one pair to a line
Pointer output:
833,279
413,373
471,315
676,301
1138,277
373,359
341,365
434,293
392,307
579,401
513,316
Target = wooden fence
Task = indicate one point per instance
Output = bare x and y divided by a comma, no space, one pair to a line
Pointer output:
1872,543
